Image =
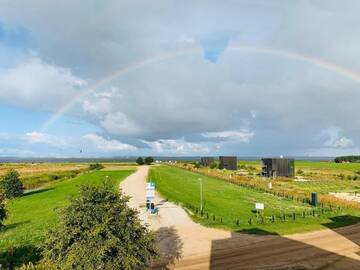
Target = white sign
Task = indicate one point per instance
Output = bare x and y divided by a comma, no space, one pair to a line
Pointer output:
150,194
259,206
269,185
150,191
150,186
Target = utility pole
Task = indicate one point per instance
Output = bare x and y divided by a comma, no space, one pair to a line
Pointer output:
201,195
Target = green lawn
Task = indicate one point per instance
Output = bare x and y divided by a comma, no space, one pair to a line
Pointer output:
33,214
232,202
319,176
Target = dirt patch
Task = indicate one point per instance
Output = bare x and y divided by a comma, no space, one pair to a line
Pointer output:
349,196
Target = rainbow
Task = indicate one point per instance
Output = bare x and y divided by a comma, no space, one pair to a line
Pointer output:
340,70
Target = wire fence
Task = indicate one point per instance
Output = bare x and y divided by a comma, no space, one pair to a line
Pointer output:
260,218
256,185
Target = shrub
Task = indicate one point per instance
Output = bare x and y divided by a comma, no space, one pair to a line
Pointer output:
300,172
140,161
213,165
347,159
197,165
99,231
3,212
11,184
54,177
96,166
149,160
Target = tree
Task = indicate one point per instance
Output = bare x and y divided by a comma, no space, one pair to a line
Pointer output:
149,160
213,165
3,212
99,231
11,184
140,161
96,166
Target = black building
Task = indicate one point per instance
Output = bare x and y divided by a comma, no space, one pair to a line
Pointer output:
278,167
206,161
228,163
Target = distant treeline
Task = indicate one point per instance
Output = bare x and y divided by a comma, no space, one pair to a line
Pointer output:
347,159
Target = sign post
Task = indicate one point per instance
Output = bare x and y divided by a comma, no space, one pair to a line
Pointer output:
150,197
201,195
259,207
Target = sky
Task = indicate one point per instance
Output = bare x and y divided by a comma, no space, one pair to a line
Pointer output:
179,78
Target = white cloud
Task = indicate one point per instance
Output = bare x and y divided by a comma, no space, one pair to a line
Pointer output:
16,152
343,142
238,135
335,140
119,123
178,147
98,108
36,137
186,96
105,145
35,84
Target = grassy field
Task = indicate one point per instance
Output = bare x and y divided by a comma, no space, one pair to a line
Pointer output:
231,202
35,175
321,170
33,214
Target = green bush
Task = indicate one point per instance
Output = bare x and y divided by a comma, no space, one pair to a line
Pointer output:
149,160
140,161
99,231
197,165
213,165
11,184
347,159
96,166
300,172
3,212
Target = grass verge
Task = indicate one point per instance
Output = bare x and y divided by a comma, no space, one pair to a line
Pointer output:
33,214
232,207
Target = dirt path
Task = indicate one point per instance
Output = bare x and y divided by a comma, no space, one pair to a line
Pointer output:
207,248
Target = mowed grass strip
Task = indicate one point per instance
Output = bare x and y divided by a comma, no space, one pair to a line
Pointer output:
231,203
33,214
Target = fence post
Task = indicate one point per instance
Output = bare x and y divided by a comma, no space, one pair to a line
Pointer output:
273,218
